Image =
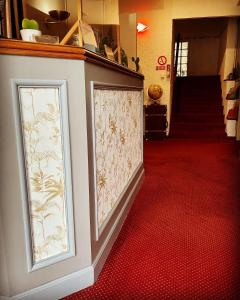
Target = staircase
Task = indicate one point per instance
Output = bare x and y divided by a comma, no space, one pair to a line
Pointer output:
198,113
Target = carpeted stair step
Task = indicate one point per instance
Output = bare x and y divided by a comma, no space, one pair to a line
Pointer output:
199,117
200,79
186,135
196,110
202,105
204,132
199,126
196,136
200,92
200,108
201,99
199,113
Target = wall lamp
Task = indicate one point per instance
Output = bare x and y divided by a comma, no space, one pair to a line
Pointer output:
141,27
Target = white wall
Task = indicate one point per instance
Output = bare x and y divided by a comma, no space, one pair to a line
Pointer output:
228,52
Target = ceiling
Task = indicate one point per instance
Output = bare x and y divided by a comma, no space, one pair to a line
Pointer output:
134,6
202,27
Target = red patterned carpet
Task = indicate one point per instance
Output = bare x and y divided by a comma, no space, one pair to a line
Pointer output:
181,238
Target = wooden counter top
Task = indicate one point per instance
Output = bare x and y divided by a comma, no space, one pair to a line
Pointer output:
21,48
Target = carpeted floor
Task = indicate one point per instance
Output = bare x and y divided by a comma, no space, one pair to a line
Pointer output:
181,238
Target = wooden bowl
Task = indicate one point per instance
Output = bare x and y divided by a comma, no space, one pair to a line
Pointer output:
59,15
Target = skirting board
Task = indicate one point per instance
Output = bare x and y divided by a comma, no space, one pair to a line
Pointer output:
59,288
77,281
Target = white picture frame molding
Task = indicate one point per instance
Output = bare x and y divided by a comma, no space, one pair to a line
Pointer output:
106,86
62,86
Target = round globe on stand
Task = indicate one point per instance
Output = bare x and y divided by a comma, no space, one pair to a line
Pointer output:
155,93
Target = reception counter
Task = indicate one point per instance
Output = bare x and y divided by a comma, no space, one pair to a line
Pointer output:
72,163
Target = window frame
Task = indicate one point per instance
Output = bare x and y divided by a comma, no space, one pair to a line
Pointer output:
183,46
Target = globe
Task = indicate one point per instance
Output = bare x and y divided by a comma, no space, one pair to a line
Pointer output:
155,91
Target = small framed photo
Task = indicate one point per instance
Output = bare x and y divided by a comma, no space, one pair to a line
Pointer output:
88,34
109,53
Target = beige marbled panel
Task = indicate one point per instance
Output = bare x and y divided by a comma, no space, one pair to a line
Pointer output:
118,127
41,126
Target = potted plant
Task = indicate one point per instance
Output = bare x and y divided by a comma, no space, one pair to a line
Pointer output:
30,28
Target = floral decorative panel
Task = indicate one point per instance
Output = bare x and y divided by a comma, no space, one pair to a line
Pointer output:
41,122
118,145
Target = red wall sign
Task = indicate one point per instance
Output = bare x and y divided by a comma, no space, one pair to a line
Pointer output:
162,60
160,68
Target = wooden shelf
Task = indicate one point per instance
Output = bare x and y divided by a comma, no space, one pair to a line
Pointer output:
21,48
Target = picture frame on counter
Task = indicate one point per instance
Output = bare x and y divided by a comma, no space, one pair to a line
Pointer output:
109,53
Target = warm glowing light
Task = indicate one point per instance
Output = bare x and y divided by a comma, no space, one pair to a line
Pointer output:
141,27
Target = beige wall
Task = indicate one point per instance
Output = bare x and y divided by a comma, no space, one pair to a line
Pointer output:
205,8
200,27
45,6
128,36
100,11
140,5
222,46
203,35
238,46
157,40
153,43
38,10
230,51
203,56
94,11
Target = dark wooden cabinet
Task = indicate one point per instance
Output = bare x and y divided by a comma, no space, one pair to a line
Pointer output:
155,121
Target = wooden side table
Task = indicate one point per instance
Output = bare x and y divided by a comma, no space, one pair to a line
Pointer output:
155,121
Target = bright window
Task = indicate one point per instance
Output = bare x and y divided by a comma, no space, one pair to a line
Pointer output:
182,65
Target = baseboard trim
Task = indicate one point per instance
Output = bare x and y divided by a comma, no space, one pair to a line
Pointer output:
113,233
59,288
